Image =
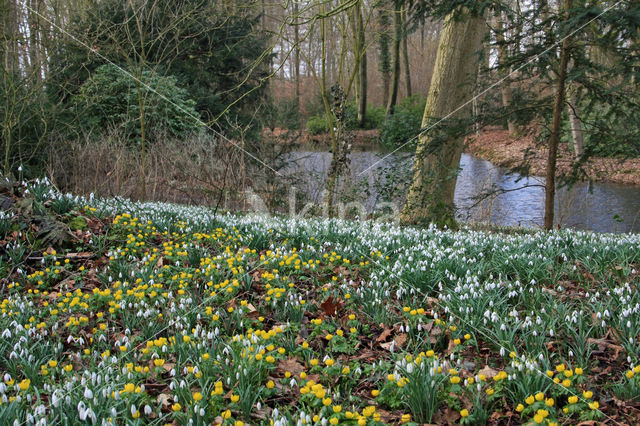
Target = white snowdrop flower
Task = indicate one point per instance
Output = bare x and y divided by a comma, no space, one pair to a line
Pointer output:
88,394
147,410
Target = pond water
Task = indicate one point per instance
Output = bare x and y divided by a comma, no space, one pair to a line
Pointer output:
376,177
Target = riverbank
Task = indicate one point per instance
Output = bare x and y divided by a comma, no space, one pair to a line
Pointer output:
495,145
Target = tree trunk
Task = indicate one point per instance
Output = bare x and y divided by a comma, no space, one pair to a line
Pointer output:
362,80
395,79
550,183
9,34
430,197
503,55
383,52
576,125
405,57
296,54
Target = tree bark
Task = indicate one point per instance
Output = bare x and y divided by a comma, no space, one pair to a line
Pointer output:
405,57
503,55
395,79
550,183
430,197
296,54
576,126
383,52
362,80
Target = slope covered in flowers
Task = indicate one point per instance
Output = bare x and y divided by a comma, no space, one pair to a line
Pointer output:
138,313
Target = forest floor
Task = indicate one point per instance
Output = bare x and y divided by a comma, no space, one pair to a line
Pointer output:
495,145
153,313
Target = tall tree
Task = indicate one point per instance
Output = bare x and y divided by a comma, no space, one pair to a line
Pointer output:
384,42
361,51
397,39
554,138
503,58
405,54
430,197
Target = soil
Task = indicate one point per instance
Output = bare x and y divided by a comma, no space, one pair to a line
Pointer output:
495,145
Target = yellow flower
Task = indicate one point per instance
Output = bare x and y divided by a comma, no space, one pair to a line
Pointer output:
329,336
226,414
573,399
587,394
176,407
405,418
629,374
549,402
235,398
329,362
566,383
538,418
326,402
539,396
530,400
337,408
24,385
464,413
375,393
197,396
594,405
490,391
560,368
520,408
346,370
455,380
270,384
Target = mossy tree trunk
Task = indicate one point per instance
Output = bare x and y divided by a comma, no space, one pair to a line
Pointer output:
430,197
362,80
397,39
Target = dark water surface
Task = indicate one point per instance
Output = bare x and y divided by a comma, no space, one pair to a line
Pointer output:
374,176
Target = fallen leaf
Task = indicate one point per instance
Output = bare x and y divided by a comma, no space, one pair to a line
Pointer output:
291,365
164,400
384,335
488,372
331,306
400,340
80,255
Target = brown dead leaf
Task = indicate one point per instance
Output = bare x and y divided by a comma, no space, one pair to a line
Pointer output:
384,335
160,262
331,306
400,340
291,365
488,372
80,255
164,400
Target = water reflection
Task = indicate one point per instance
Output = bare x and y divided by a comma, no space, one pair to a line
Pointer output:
516,200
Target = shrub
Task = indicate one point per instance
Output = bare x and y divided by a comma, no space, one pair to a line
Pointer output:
404,124
109,99
317,124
